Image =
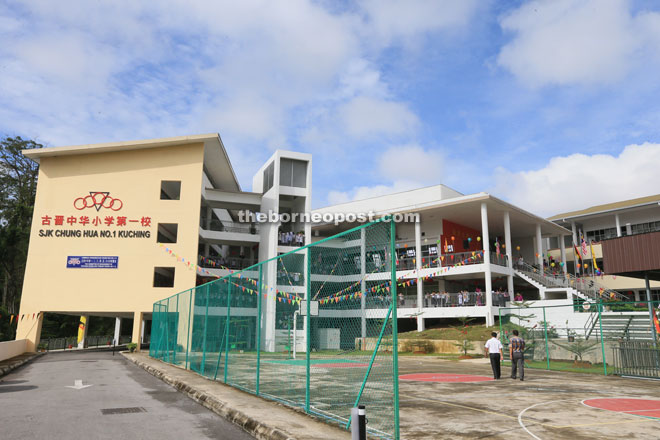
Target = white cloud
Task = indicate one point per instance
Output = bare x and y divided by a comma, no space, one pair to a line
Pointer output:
392,20
578,181
366,192
566,42
406,166
259,72
363,116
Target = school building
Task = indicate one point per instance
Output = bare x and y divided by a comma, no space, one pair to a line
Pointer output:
118,226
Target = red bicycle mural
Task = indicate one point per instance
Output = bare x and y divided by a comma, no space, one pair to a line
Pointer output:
98,200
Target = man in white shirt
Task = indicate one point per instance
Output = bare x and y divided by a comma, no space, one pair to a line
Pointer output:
494,351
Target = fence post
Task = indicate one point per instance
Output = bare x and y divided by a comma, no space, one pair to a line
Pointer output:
176,328
545,332
206,318
602,343
227,326
167,330
189,327
259,298
395,328
308,331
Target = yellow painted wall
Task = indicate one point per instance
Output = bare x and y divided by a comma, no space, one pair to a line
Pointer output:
134,177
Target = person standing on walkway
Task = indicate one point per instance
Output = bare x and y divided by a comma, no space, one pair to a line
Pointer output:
494,351
516,352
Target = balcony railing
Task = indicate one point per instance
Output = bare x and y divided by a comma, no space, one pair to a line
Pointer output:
233,263
222,226
454,299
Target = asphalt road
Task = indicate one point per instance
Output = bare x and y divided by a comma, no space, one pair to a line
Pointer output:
123,402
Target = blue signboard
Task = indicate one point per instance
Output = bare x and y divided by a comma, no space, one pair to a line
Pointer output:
92,262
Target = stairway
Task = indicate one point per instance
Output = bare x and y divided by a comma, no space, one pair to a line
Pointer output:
585,288
620,325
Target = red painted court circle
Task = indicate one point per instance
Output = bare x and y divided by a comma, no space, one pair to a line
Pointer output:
638,407
438,377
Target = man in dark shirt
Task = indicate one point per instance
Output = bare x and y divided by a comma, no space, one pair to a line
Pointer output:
516,353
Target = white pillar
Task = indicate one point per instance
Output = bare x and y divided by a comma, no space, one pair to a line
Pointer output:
562,252
363,287
574,229
509,253
618,225
418,266
142,330
628,229
117,330
539,247
485,239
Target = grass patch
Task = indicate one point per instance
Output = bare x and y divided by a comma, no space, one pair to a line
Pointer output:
562,366
477,332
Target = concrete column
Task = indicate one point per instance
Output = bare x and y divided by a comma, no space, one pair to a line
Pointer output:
137,329
574,229
628,229
29,328
562,252
539,246
363,287
509,253
117,330
618,225
418,266
485,240
82,330
636,295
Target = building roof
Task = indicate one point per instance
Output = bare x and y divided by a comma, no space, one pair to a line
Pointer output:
216,162
598,209
463,209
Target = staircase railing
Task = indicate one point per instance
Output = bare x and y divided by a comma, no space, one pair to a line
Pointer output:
590,325
587,285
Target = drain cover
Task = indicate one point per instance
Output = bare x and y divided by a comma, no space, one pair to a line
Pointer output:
130,410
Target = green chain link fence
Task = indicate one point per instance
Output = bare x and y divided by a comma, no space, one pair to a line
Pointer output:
617,338
255,330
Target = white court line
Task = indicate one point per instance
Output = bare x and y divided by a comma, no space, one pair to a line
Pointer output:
522,425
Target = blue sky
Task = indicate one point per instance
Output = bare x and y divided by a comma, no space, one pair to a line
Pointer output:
550,105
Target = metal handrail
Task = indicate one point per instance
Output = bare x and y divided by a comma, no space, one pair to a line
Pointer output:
226,226
589,288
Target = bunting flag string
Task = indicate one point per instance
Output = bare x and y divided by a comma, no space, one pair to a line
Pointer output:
343,294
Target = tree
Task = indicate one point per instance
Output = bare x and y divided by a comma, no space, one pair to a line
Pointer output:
18,186
464,346
579,348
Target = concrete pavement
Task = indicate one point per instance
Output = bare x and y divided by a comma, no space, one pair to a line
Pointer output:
265,419
50,399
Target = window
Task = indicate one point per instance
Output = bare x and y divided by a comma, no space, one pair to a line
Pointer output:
163,277
167,232
293,173
269,177
601,234
643,228
170,190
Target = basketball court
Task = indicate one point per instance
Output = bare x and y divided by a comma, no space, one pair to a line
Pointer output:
442,399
